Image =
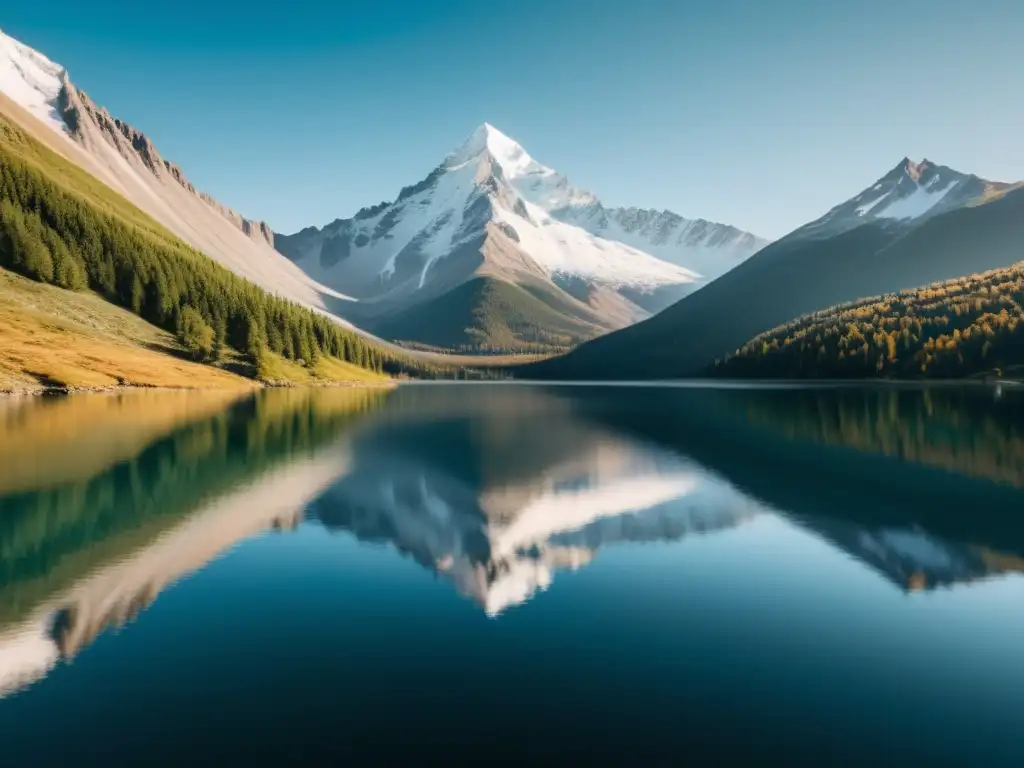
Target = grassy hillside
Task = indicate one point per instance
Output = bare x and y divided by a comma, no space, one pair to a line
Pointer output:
964,327
791,278
485,314
276,369
62,227
64,339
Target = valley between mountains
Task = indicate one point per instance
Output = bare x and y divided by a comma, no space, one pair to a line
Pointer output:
490,265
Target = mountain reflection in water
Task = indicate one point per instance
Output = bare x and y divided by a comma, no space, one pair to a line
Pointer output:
493,488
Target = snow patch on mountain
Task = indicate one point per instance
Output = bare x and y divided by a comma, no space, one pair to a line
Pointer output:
435,217
536,183
31,80
918,202
865,209
706,248
557,246
563,249
906,196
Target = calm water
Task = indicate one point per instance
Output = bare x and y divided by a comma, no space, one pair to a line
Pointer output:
485,572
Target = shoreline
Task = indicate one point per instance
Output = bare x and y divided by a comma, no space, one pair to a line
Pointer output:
736,383
254,386
674,383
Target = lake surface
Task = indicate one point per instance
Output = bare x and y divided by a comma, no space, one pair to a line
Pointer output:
455,573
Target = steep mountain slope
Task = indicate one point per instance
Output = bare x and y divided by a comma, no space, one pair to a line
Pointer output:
919,224
41,98
61,226
490,209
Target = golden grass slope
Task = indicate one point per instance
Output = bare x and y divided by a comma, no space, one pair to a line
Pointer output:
327,371
51,338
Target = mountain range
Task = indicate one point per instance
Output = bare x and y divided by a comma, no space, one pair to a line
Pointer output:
492,248
918,224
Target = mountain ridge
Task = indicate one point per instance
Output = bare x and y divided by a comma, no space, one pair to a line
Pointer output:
851,252
44,100
910,192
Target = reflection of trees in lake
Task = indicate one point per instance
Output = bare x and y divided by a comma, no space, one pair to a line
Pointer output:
54,534
965,430
948,460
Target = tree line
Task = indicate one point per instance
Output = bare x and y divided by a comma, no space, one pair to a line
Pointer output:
956,328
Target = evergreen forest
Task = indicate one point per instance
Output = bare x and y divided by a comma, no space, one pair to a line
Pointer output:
968,326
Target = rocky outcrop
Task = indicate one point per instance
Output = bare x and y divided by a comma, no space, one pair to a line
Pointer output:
132,143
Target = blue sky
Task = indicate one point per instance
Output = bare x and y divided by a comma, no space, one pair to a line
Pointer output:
760,114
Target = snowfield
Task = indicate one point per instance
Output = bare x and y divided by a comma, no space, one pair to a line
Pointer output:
31,80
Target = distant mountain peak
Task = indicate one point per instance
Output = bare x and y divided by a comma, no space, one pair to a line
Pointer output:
908,194
918,170
491,208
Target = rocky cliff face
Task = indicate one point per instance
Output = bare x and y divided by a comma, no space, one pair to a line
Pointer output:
79,111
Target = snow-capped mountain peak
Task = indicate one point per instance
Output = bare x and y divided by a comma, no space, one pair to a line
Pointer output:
556,231
489,197
705,249
905,196
909,191
535,182
513,159
31,80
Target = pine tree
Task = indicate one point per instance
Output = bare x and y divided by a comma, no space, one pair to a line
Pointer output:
195,334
